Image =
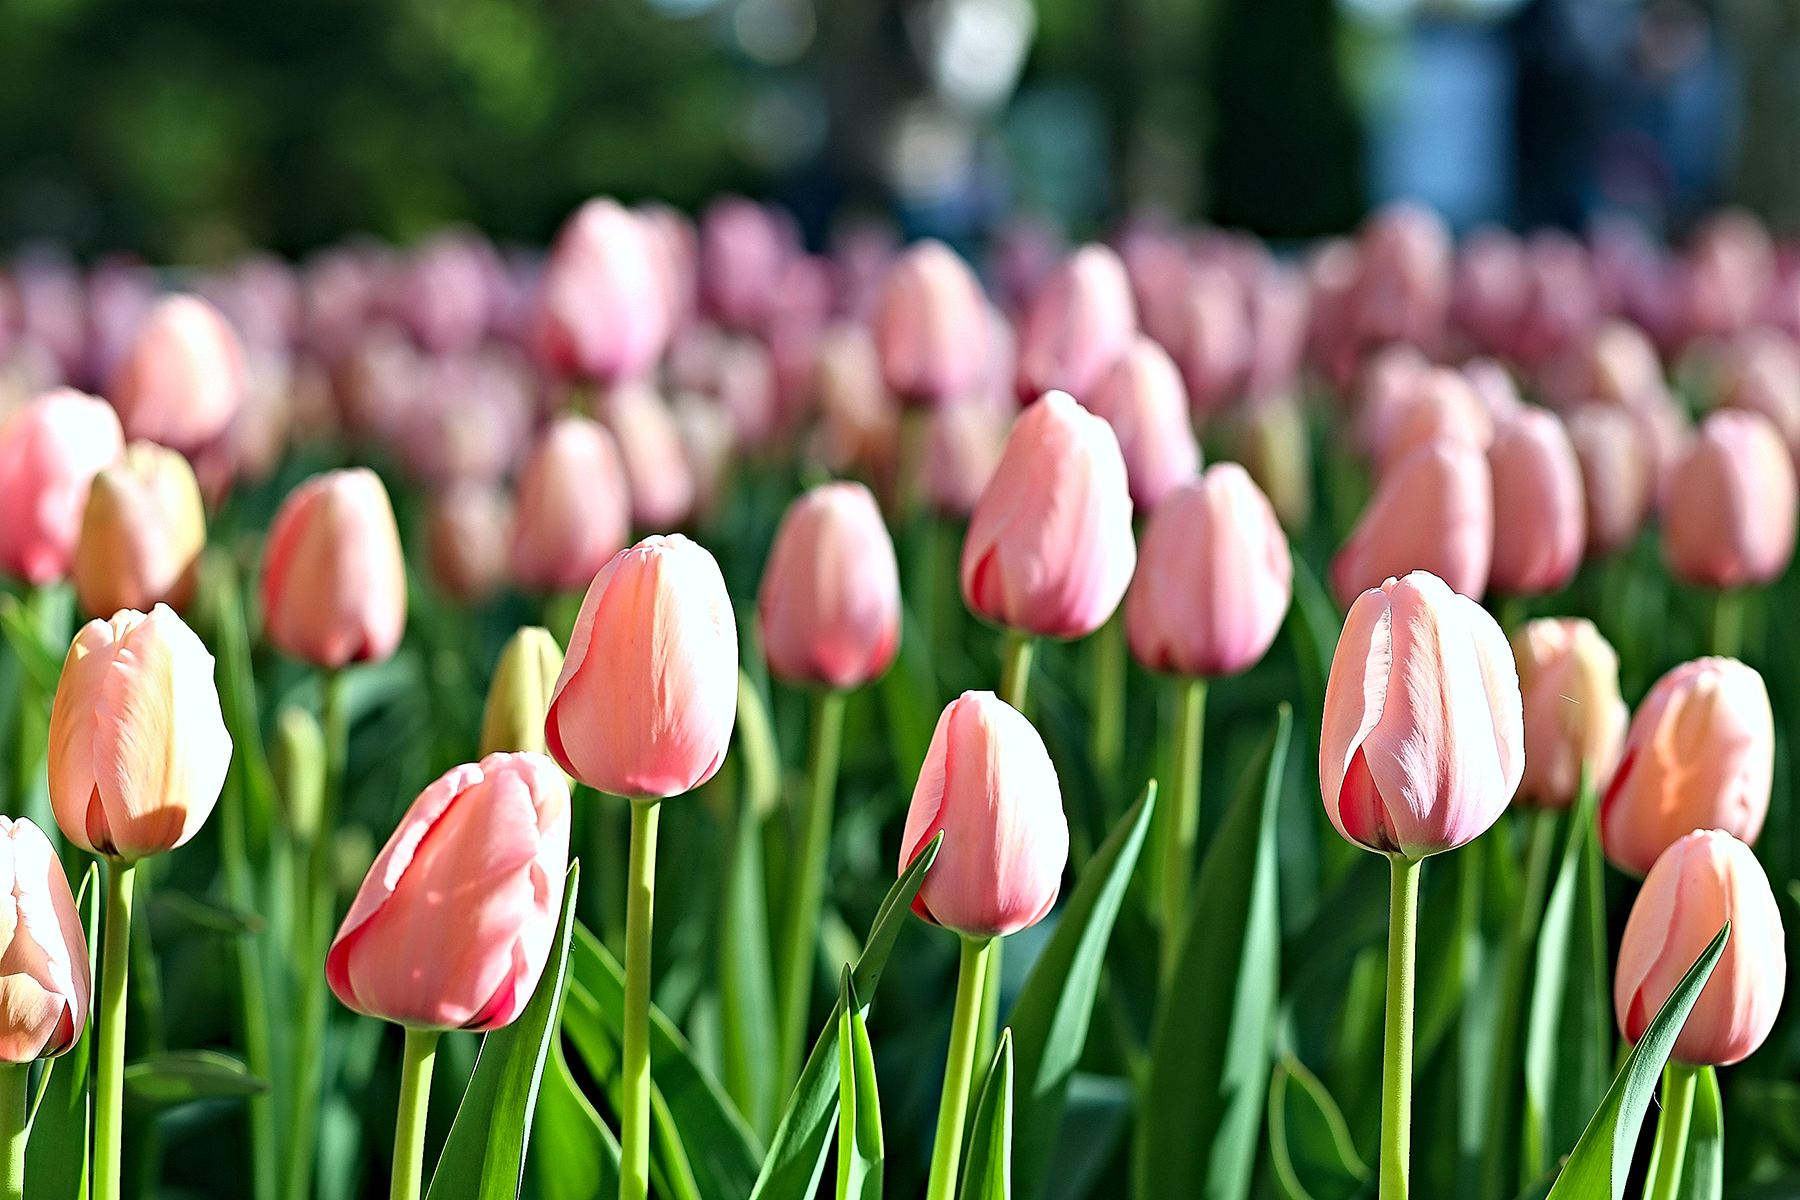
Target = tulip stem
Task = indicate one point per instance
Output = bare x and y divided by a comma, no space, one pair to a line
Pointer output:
109,1091
971,975
799,945
1669,1154
1108,738
15,1094
1397,1050
1181,829
634,1086
1015,677
1728,622
416,1062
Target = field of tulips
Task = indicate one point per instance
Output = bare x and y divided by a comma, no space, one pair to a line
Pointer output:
1165,718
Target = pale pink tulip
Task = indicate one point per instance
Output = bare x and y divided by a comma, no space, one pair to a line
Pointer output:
1730,271
1490,288
1618,475
829,605
1623,368
444,292
1574,718
185,376
141,535
45,985
656,464
743,249
1434,511
468,539
1079,323
1443,405
50,451
1762,374
859,425
333,580
962,452
1143,399
1495,387
931,326
601,310
1403,290
1540,514
573,511
1214,343
677,246
1729,516
1280,309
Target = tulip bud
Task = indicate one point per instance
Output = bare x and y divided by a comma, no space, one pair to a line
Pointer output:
1623,367
743,249
1423,738
138,748
656,465
601,310
829,606
931,326
1494,386
333,581
1540,514
989,785
45,988
648,693
1574,718
1702,881
1490,287
518,699
1618,475
1274,446
1213,579
1763,375
962,453
1213,340
299,762
184,378
453,923
50,451
1082,319
1143,399
1700,754
468,538
1441,404
142,534
573,511
1730,514
1433,512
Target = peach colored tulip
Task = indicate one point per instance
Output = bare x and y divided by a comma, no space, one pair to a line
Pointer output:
1213,579
746,387
50,451
1433,512
859,425
1494,386
601,311
1079,323
1423,741
989,785
829,605
1144,401
1623,367
1049,548
1442,405
468,539
1569,678
656,465
962,453
333,580
573,511
453,924
44,981
931,325
1730,513
1700,754
1390,381
138,748
184,378
1762,374
1618,475
648,693
1702,881
142,534
1540,514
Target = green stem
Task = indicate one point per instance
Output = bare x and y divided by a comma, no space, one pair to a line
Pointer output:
252,993
409,1127
1397,1048
109,1090
1728,622
15,1092
634,1100
799,945
987,1029
1181,829
1015,677
953,1105
1670,1152
1108,736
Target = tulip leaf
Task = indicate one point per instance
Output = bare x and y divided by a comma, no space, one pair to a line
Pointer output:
41,662
1703,1167
1309,1143
574,1156
988,1167
796,1158
1209,1049
1313,624
909,700
1095,1113
746,984
860,1150
56,1154
1050,1018
484,1155
1601,1160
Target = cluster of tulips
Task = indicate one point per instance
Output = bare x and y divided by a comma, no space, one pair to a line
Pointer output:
1213,978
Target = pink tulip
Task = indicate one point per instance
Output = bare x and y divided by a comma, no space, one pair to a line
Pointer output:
1490,288
1214,343
1389,383
648,692
468,539
453,924
50,451
141,535
185,376
829,606
138,748
656,464
1730,514
1049,548
1617,473
1702,881
1213,579
45,988
931,326
1494,386
1434,511
1423,739
1574,718
1143,399
962,453
1623,368
1403,292
121,291
677,246
1540,515
1280,309
1700,754
573,511
1442,405
989,785
444,291
1564,305
1762,374
470,419
340,292
1079,323
859,424
333,580
1731,268
743,249
601,310
53,309
707,441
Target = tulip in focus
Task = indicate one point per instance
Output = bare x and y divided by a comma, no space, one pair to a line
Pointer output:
931,326
1730,513
1540,514
573,511
1143,399
185,376
1618,474
50,451
518,698
142,534
1082,319
44,981
1574,718
333,580
1433,512
829,605
601,309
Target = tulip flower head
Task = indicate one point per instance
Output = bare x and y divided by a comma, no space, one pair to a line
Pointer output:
573,511
1618,473
1730,514
468,539
185,377
50,451
333,581
1144,401
1569,679
44,981
518,698
931,326
1540,514
602,311
1433,512
1081,320
142,533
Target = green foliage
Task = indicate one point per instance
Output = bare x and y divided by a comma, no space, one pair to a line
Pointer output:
988,1167
860,1146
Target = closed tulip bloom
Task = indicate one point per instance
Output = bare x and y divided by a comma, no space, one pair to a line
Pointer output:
661,479
1494,384
962,452
453,924
1699,883
1700,754
1540,513
601,309
1213,578
1569,678
1049,548
743,249
518,698
573,511
1442,405
1762,374
138,748
931,326
989,785
184,378
50,451
1433,512
1729,518
1213,339
44,981
1423,742
829,606
1081,320
333,580
1275,447
648,693
468,536
1623,367
142,534
1144,401
1618,475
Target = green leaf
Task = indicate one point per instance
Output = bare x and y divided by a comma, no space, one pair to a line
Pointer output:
56,1154
204,914
484,1155
1601,1160
1095,1113
164,1080
1703,1167
909,701
573,1156
41,662
796,1157
746,985
1313,624
756,743
1209,1050
988,1169
1050,1018
860,1150
1309,1144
